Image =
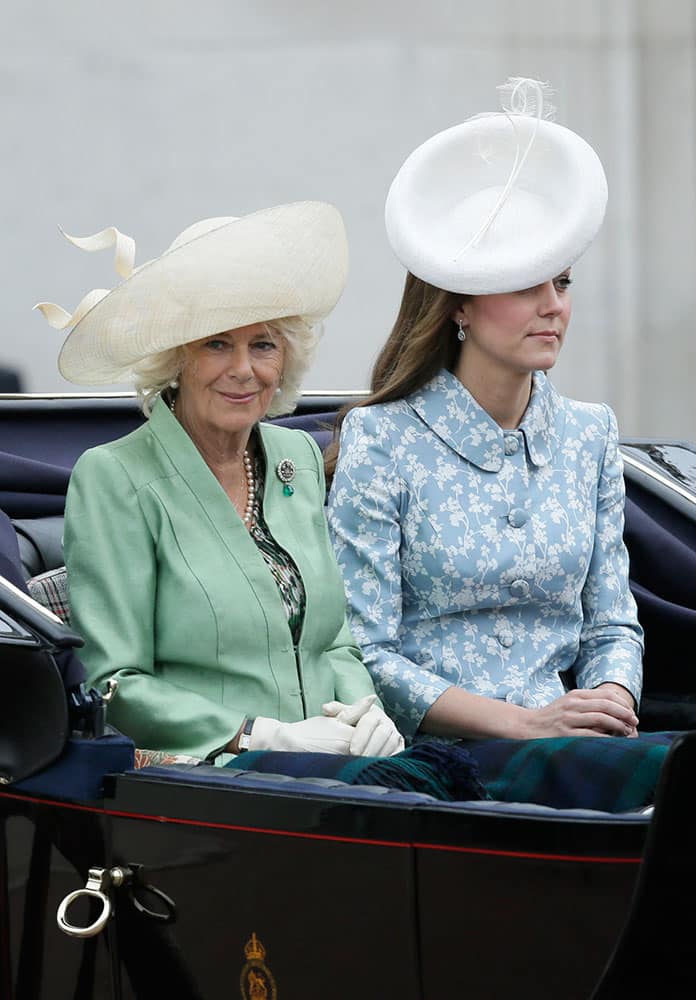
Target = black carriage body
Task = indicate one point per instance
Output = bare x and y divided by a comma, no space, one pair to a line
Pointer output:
313,889
350,896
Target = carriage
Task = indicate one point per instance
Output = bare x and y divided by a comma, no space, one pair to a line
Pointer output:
199,882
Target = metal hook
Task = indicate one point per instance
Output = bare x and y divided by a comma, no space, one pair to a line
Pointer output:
100,883
99,880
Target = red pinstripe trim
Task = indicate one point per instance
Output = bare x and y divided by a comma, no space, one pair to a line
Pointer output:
597,860
205,823
327,837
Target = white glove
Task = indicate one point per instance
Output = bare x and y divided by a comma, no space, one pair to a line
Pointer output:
317,735
350,714
375,735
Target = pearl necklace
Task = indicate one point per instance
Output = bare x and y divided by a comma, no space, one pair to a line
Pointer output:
250,488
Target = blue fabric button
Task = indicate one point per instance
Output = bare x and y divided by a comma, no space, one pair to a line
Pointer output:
511,444
506,639
517,517
519,588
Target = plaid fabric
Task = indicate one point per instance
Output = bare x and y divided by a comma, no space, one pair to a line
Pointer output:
613,774
444,770
51,590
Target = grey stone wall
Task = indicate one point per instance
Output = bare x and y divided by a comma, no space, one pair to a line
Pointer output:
151,115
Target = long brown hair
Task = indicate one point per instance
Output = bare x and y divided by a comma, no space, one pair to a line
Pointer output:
421,343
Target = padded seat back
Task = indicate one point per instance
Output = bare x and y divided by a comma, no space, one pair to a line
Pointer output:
40,543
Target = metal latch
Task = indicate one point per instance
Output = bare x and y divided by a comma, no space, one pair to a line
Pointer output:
100,884
111,689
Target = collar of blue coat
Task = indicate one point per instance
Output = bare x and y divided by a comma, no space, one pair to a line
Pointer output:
453,414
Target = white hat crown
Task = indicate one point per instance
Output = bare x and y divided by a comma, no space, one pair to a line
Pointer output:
502,202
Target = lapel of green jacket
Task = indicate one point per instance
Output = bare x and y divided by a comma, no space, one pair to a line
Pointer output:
216,507
214,504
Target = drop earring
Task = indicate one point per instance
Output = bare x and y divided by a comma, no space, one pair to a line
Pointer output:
174,384
461,332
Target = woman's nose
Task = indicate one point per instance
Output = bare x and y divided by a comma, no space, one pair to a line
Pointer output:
239,365
550,301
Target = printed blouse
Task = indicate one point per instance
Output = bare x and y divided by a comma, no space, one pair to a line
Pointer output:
282,566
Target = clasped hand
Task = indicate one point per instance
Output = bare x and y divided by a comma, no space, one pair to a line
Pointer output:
374,735
360,729
602,711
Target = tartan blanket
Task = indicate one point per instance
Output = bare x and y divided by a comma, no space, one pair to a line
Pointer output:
611,774
445,771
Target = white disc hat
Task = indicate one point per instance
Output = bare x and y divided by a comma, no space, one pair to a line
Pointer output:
219,274
502,202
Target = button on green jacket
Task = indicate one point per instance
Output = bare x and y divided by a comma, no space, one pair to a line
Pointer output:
174,599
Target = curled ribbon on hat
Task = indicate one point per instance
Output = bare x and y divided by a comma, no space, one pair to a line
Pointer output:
521,95
61,319
124,259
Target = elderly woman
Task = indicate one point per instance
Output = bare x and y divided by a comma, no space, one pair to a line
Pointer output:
477,514
200,571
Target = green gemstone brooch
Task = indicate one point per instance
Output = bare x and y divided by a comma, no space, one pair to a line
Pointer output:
285,471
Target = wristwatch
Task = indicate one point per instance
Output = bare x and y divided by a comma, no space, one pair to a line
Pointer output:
244,741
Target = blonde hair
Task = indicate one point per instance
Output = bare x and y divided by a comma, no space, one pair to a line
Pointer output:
154,374
421,343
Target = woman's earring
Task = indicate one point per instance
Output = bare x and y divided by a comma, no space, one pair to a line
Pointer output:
461,332
174,384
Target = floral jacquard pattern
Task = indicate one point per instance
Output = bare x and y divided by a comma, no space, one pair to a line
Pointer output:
489,559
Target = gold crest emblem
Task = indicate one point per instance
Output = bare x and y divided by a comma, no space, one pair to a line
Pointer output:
256,981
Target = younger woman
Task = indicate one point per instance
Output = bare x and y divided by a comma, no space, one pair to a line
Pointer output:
477,514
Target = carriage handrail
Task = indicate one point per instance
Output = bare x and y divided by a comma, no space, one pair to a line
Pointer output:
647,470
114,394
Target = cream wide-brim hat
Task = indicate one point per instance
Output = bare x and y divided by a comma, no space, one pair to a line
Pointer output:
499,203
218,275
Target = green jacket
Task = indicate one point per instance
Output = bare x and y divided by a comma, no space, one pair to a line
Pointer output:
174,599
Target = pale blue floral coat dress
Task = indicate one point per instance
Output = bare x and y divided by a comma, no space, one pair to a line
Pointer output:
484,558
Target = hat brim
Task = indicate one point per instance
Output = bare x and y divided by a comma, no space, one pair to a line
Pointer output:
291,260
447,188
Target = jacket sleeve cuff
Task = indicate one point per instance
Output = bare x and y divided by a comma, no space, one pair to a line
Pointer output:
406,690
621,666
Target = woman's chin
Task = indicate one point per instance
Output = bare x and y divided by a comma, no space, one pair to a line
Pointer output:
546,364
545,359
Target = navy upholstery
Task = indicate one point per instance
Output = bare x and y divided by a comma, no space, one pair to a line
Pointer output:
79,772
